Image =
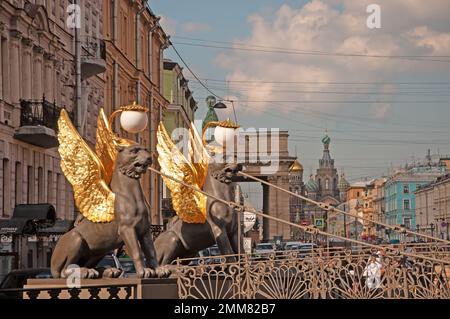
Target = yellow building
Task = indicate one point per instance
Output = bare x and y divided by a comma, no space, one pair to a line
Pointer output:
135,43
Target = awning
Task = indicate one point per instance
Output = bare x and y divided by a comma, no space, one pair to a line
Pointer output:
28,219
60,227
15,226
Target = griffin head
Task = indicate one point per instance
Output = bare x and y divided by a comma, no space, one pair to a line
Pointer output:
226,174
133,161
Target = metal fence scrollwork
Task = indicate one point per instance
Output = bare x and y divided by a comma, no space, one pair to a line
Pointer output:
320,274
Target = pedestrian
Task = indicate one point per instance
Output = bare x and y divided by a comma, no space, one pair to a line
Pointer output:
372,272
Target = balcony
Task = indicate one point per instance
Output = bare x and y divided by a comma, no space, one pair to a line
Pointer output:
93,61
38,123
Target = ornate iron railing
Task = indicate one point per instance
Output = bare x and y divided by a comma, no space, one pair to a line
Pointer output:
43,113
320,273
399,272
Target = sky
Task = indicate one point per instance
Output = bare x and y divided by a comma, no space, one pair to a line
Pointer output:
306,67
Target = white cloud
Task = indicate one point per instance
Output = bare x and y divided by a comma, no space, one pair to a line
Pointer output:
196,27
409,27
437,42
169,25
381,111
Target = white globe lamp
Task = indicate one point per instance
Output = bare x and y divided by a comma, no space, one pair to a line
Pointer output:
133,118
133,121
224,135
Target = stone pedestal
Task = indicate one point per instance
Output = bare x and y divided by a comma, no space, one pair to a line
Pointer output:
119,288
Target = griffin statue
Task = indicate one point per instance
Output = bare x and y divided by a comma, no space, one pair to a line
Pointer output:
201,221
108,194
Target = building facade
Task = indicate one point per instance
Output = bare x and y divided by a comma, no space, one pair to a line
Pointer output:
182,106
379,205
135,42
178,115
37,80
121,61
400,199
433,208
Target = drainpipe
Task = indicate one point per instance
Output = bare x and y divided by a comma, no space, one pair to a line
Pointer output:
115,93
79,112
138,50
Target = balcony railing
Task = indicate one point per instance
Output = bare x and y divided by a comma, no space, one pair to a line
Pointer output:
38,122
38,113
93,62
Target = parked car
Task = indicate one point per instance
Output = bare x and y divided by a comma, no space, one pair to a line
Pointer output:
212,252
127,265
110,261
292,245
303,249
263,250
17,278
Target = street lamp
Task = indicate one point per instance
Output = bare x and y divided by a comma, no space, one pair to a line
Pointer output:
133,118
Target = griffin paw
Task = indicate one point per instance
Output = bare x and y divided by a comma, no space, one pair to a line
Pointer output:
112,273
146,273
163,272
81,273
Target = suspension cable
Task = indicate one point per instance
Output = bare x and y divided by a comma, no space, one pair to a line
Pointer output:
309,229
334,209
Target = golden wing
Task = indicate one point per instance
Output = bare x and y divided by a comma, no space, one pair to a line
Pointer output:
199,156
84,171
189,205
105,146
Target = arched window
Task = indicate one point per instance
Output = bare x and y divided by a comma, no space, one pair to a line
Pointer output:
327,184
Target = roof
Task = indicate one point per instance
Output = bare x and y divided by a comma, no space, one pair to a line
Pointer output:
359,184
296,167
169,64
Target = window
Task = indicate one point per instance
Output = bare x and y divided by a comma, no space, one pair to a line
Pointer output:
40,185
49,256
18,188
59,190
30,258
406,204
49,187
150,48
407,222
405,189
6,187
327,184
30,191
5,67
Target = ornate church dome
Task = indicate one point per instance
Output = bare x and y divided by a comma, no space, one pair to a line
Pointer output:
343,184
311,185
296,167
